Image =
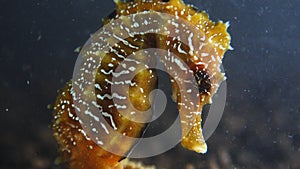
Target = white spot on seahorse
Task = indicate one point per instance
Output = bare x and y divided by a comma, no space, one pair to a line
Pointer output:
125,42
180,50
190,40
105,114
104,127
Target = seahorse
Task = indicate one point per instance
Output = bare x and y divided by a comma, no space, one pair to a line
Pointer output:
200,46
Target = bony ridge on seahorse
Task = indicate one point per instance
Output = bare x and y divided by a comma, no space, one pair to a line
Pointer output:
200,47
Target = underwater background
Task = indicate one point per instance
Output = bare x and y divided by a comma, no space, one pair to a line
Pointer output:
260,127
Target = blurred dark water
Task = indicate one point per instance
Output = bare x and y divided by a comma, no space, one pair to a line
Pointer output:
260,127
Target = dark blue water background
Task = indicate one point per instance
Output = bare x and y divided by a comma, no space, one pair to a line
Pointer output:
261,123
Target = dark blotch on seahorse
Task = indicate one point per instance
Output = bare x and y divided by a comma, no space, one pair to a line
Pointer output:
203,81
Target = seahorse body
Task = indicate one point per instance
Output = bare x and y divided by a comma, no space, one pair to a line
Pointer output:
203,54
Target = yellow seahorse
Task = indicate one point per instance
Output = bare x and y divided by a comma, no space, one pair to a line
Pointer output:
203,55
